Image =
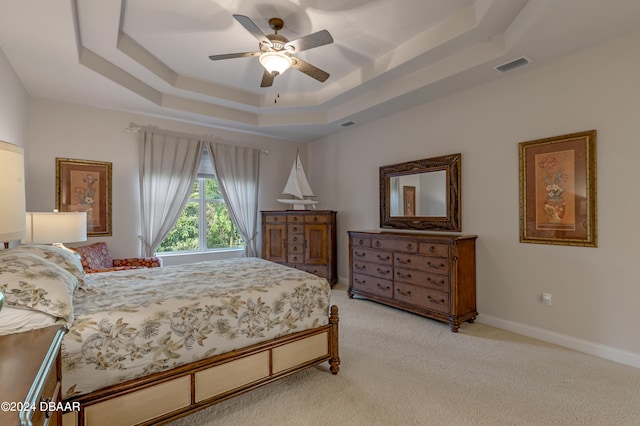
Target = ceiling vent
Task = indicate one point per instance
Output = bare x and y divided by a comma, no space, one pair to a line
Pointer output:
523,60
347,123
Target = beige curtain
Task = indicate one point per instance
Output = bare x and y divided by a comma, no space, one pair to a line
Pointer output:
238,172
168,168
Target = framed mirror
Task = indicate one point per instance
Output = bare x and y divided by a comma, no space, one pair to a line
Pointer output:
422,195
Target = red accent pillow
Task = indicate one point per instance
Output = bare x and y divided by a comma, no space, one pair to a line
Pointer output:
95,256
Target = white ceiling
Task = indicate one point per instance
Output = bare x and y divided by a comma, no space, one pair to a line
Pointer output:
151,56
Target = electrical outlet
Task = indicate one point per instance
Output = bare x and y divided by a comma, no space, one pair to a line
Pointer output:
546,299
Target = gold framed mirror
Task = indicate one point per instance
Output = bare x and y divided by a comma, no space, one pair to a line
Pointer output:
422,194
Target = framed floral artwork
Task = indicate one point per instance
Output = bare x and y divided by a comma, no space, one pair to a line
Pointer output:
558,190
85,186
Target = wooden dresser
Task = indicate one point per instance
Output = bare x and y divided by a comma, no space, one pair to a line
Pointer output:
433,275
302,239
30,373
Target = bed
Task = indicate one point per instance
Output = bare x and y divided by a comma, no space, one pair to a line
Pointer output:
150,345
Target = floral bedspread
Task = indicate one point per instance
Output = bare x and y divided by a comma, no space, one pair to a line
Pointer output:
132,323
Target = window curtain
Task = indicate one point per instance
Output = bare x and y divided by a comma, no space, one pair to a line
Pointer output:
168,168
238,171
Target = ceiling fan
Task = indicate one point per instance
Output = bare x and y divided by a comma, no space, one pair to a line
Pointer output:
276,52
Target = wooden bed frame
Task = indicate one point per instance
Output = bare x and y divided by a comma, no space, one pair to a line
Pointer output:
168,395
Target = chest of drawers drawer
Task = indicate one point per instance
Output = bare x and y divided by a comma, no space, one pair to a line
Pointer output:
379,257
422,263
373,285
421,297
373,269
422,278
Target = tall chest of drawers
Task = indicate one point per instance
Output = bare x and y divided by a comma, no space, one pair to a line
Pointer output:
302,239
433,275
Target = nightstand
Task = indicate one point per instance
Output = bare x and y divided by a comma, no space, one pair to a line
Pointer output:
30,374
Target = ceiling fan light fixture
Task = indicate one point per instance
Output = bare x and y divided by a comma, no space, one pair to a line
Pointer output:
275,62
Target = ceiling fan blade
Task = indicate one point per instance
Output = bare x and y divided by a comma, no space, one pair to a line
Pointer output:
233,55
267,79
310,41
310,70
250,26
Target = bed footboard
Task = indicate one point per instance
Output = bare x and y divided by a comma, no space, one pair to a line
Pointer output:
165,396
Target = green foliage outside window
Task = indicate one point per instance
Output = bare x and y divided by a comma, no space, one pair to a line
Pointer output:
205,209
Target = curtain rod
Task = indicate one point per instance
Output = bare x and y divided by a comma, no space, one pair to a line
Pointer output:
136,128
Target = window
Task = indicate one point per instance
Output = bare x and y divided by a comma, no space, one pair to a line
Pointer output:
204,224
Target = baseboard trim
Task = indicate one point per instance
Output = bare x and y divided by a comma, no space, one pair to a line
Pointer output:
607,352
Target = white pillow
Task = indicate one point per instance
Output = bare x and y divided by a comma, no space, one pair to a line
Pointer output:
60,255
30,282
15,320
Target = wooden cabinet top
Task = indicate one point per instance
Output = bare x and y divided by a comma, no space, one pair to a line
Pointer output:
297,211
418,235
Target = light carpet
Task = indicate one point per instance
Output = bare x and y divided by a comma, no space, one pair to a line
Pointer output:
401,369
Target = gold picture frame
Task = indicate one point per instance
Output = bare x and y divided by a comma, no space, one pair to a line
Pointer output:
558,202
85,186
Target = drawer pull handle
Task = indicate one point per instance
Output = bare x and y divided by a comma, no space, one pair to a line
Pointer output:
441,282
363,254
383,258
380,271
275,219
361,242
403,261
315,218
380,286
295,219
431,299
360,267
295,239
377,243
409,246
359,281
441,265
401,275
404,293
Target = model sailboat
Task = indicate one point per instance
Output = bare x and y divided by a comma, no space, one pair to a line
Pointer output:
298,186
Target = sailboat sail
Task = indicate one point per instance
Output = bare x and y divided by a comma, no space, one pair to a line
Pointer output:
298,186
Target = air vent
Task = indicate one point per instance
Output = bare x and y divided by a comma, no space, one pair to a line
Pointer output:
513,64
347,123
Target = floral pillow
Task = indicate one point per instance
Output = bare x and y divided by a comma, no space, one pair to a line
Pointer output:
61,256
31,282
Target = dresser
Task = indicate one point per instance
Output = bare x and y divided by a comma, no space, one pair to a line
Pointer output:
302,239
30,373
433,275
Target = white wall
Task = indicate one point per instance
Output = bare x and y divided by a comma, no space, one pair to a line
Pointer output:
72,131
596,291
14,106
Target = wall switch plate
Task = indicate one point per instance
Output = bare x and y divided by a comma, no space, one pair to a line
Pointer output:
546,299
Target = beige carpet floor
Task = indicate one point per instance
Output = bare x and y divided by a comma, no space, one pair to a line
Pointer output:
402,369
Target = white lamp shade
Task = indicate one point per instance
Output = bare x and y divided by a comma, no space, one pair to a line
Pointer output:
13,205
275,62
55,227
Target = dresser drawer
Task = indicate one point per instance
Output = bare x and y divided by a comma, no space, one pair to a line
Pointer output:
318,270
422,297
395,245
295,249
293,239
274,218
298,218
422,263
433,249
422,278
360,242
373,269
381,257
295,228
372,285
312,218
